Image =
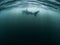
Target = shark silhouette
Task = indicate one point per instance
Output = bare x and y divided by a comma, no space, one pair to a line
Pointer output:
30,13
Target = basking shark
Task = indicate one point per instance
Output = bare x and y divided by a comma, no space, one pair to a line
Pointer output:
30,13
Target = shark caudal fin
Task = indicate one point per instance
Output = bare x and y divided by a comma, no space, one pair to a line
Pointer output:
35,14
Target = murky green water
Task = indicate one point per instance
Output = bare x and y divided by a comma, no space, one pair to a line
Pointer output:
18,28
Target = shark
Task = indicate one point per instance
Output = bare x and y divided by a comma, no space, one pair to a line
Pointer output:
30,12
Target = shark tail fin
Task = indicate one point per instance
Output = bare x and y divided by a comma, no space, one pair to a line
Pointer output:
35,14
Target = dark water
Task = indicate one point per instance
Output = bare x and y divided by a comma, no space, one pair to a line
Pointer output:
16,27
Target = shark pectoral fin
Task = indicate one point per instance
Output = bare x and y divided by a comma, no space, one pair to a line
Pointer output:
35,14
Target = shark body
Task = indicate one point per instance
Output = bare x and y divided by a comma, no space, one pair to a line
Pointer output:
30,13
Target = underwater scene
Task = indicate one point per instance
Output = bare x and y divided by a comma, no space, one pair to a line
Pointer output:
30,21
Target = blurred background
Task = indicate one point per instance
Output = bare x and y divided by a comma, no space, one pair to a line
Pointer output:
18,27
